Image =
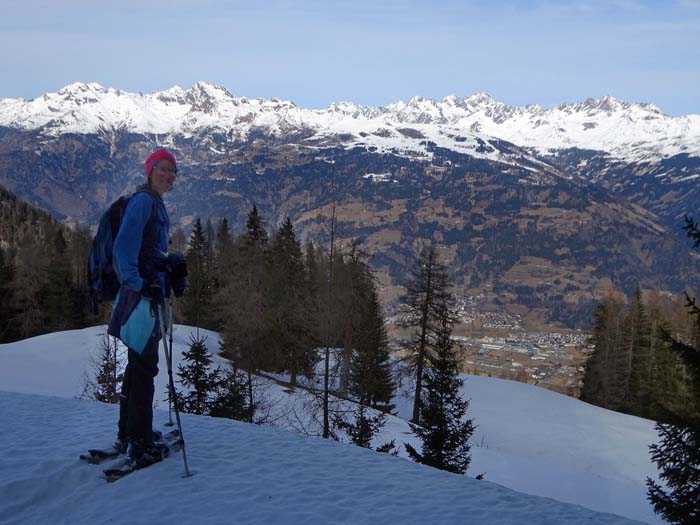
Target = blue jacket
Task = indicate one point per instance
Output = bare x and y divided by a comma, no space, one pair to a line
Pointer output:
136,256
140,255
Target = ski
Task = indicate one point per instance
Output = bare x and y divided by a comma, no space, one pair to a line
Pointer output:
116,473
95,456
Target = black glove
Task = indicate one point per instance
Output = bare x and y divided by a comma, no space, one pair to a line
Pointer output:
178,273
152,291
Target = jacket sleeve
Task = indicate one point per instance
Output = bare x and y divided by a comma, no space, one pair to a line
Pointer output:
128,242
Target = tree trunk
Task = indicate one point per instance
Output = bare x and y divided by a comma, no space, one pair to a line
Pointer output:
422,344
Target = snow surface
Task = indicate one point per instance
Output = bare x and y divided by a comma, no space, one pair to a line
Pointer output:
528,439
628,131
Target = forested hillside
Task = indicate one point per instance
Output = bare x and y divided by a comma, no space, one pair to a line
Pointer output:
633,368
42,272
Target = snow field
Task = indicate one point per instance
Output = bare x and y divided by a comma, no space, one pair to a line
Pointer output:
528,439
243,474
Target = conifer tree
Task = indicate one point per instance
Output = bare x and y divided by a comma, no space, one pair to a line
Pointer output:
197,298
179,240
106,374
634,357
364,427
369,378
224,247
6,310
199,380
427,290
632,368
43,271
677,455
443,430
210,263
231,399
354,282
290,333
599,380
30,277
328,306
56,294
242,303
370,371
255,235
313,282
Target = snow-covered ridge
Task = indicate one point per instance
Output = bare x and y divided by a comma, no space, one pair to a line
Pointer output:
528,439
628,131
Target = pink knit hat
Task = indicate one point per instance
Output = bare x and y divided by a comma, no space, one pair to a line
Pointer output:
156,157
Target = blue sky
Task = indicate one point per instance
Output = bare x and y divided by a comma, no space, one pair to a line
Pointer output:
369,52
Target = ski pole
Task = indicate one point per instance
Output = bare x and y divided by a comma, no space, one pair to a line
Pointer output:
169,360
170,392
170,410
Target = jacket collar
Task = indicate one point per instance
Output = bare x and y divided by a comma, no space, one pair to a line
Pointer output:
147,188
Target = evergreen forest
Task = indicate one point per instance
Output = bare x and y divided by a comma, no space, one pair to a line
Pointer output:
633,368
43,276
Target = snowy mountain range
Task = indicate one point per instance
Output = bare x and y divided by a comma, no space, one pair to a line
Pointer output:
625,131
547,458
595,192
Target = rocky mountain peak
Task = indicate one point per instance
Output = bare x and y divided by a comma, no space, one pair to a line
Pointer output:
624,130
81,88
207,98
479,99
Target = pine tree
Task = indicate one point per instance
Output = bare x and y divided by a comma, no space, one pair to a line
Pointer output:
210,254
364,427
231,399
241,303
353,285
30,278
179,240
427,289
197,298
288,305
223,253
7,332
43,272
599,380
443,431
677,455
195,374
57,292
328,307
634,357
313,283
632,368
371,378
107,373
255,234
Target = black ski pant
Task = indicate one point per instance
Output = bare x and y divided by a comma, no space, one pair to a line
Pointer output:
136,398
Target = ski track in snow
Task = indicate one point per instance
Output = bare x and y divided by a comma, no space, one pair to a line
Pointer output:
527,438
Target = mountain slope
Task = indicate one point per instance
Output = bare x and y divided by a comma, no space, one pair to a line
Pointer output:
526,232
243,474
543,209
528,439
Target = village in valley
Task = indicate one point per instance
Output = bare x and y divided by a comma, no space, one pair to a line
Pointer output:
497,344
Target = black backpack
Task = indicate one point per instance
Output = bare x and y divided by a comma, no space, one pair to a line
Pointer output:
102,277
